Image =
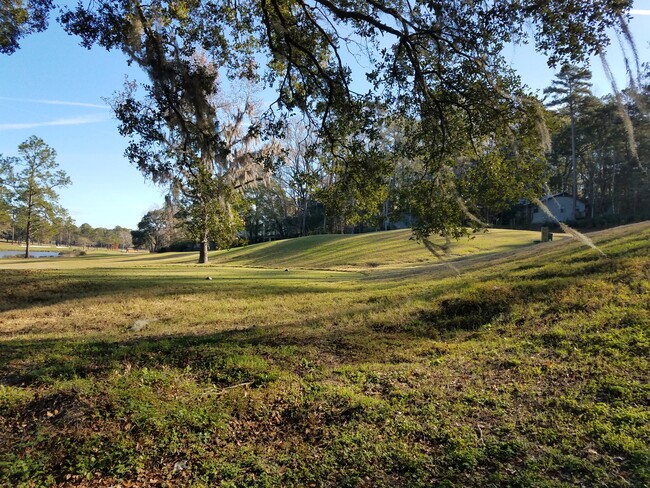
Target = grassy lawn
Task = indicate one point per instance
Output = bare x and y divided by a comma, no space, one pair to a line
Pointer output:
72,250
10,246
391,249
365,363
385,249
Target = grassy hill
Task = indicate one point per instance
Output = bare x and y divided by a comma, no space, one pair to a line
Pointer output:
530,369
380,249
362,251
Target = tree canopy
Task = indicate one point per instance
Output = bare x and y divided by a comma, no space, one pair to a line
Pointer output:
433,68
19,18
443,53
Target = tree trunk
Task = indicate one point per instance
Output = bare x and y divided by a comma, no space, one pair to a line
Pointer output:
613,194
574,189
205,238
203,251
303,229
386,214
27,239
28,230
593,195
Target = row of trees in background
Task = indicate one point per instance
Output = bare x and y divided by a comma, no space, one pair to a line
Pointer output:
601,147
591,155
62,231
444,132
439,95
591,151
29,203
28,198
598,150
87,236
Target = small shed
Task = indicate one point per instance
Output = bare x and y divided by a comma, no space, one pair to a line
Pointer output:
561,206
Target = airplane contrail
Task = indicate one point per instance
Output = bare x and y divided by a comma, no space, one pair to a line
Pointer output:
54,102
638,11
56,122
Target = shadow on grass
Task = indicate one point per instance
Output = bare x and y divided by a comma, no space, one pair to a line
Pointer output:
184,258
25,289
483,262
34,362
322,339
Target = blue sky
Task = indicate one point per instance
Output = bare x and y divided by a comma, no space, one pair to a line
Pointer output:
54,89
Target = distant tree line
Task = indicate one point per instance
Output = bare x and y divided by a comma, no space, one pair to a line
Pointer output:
29,204
611,144
303,195
62,231
598,150
445,139
445,134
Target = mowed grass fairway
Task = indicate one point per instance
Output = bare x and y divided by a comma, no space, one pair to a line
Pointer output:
365,363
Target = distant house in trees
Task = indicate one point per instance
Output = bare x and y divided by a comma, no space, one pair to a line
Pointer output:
561,206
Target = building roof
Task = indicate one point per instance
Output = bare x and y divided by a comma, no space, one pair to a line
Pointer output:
546,198
555,195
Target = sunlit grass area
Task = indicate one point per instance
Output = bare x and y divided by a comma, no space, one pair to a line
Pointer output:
530,369
392,248
10,246
362,251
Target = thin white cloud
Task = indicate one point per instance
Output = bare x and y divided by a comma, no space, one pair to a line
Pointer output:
638,11
54,102
92,119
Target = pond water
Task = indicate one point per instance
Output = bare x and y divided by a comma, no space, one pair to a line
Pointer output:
33,254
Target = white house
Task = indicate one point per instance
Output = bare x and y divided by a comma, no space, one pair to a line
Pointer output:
561,206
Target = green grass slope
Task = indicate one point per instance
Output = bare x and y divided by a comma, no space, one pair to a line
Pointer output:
379,249
530,369
362,251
